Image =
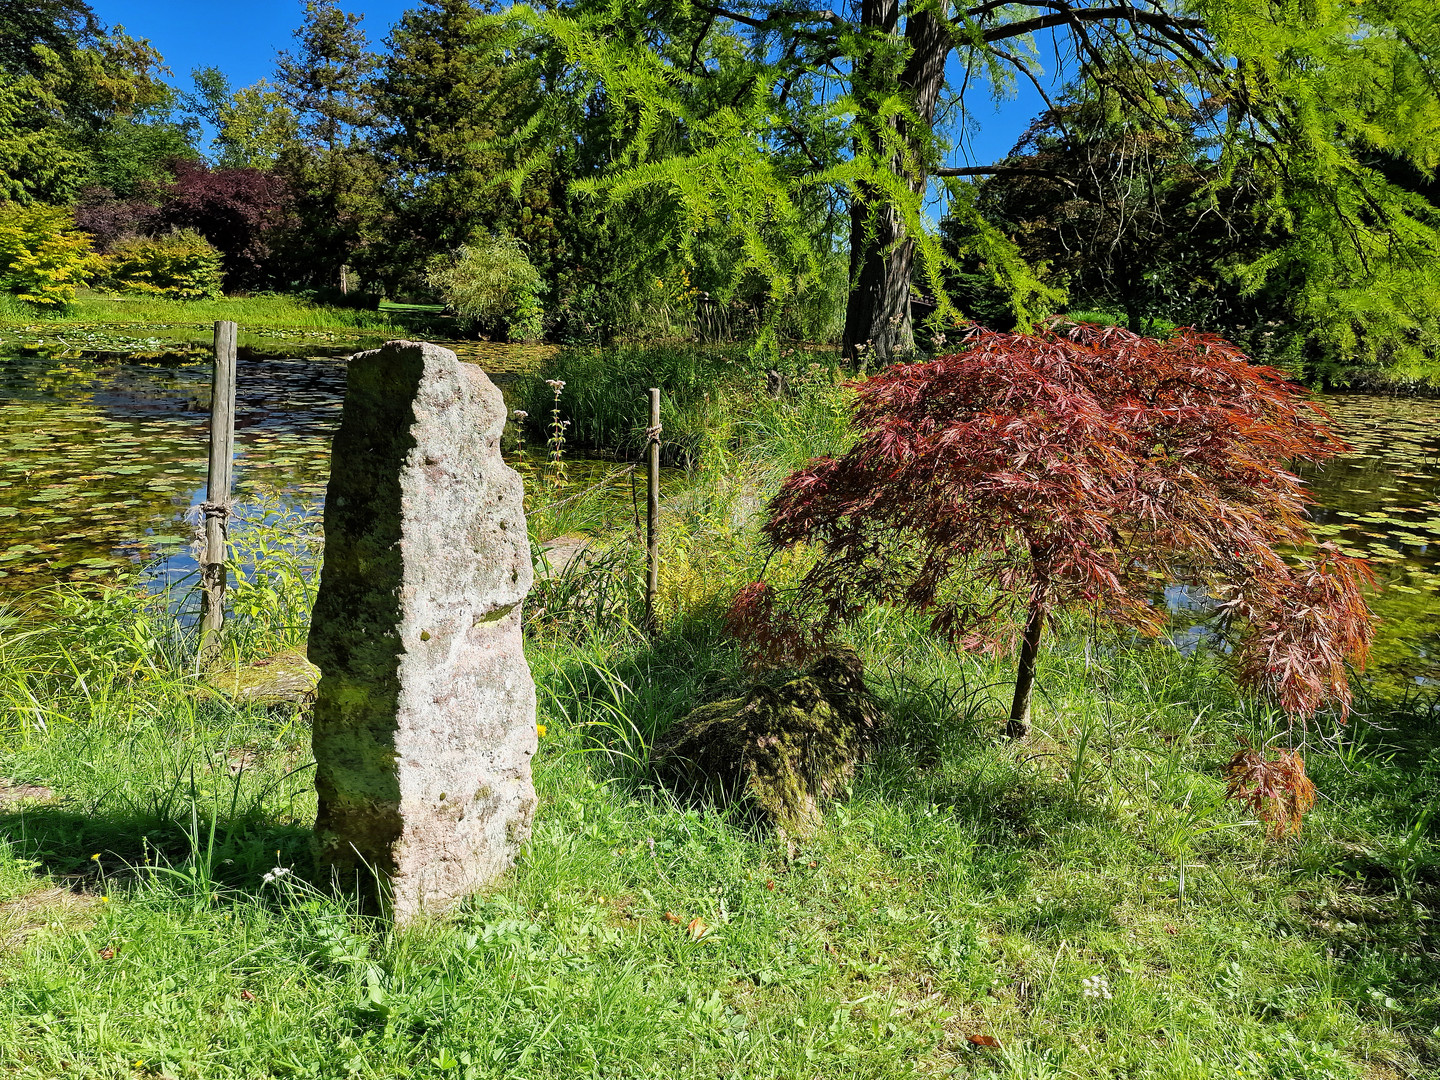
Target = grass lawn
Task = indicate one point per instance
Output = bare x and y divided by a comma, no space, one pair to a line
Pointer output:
180,320
1083,904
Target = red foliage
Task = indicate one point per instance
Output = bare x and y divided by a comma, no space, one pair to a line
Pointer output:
1084,467
771,636
108,219
240,211
1276,789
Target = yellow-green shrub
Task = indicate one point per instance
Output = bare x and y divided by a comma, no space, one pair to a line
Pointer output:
42,255
181,265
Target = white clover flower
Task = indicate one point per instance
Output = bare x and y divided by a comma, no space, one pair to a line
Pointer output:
1096,986
275,875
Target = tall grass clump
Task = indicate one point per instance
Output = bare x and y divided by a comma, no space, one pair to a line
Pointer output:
605,392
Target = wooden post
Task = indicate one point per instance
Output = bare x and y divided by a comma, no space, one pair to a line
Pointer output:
217,489
652,514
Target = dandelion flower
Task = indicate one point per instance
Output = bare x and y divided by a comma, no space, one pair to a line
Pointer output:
540,730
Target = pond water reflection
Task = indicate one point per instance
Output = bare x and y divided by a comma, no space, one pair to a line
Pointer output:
1382,500
103,463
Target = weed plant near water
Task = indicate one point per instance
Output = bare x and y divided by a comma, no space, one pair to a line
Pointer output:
1083,904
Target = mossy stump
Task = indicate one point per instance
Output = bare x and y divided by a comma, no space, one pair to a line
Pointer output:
782,751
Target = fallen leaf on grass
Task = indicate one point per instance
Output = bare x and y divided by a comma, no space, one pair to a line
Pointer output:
107,953
988,1042
1171,930
246,995
696,929
770,884
670,916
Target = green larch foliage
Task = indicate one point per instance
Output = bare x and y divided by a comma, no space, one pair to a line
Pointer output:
1308,98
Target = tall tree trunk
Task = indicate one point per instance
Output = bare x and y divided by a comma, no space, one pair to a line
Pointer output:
877,313
1019,724
882,255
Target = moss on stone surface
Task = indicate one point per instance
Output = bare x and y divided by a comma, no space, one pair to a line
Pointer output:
783,751
275,680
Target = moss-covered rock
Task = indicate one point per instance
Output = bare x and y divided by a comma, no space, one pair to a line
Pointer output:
275,680
782,750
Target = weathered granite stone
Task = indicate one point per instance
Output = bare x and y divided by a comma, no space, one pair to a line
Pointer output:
424,720
782,751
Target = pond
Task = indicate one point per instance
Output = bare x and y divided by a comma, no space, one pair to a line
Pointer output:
102,465
1382,501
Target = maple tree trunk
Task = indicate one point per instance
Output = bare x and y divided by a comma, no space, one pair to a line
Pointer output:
882,255
1019,724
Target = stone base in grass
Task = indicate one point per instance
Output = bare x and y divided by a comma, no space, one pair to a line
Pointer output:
783,751
287,677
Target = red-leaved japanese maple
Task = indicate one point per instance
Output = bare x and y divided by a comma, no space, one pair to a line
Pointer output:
1076,467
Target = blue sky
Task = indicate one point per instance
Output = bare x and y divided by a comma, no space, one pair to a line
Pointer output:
242,38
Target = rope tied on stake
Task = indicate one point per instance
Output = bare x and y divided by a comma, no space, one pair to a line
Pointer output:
652,434
216,509
203,513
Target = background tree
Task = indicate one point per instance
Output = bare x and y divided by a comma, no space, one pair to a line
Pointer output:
244,213
1080,468
327,82
254,125
1133,212
1121,207
1305,98
452,96
79,103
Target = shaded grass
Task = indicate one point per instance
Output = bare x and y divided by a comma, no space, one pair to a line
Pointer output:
968,887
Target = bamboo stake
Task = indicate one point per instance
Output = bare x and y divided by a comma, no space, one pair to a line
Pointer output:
652,514
216,507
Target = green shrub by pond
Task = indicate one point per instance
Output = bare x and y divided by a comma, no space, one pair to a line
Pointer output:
44,258
181,265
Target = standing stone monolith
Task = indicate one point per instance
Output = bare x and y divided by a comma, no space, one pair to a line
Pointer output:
424,719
